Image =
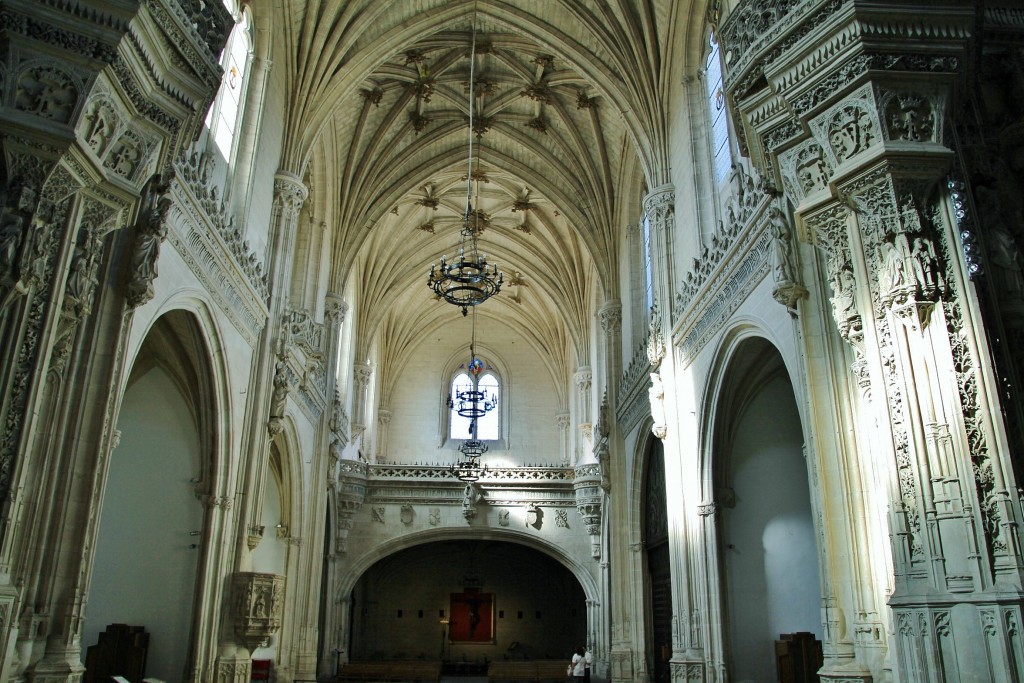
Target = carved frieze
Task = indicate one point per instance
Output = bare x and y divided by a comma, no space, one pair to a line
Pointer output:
711,293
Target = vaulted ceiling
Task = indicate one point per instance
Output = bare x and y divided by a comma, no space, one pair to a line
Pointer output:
568,130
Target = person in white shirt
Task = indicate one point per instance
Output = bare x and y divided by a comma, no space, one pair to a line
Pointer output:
578,664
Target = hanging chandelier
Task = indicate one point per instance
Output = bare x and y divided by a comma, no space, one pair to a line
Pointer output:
468,280
473,402
470,469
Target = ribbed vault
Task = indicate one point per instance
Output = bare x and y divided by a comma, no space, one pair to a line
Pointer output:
568,129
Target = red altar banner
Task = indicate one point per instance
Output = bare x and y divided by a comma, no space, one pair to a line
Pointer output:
472,617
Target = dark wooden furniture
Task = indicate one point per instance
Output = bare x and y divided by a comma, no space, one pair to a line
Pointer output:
406,671
121,651
798,657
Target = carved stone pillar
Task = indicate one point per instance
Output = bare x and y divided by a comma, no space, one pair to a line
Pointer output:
80,137
860,146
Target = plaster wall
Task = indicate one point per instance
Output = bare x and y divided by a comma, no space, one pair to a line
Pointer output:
146,558
266,162
768,540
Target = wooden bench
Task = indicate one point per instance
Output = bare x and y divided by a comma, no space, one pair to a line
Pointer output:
390,672
550,671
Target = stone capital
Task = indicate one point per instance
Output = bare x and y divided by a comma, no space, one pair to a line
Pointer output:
610,315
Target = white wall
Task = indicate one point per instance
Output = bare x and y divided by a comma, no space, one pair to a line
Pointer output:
528,399
145,571
768,541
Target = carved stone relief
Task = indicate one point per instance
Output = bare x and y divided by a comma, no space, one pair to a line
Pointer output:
258,601
47,90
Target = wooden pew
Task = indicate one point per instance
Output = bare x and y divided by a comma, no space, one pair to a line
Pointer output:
413,671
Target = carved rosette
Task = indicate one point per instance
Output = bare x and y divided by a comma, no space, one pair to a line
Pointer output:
589,494
258,604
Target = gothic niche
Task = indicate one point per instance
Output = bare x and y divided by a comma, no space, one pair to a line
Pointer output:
258,601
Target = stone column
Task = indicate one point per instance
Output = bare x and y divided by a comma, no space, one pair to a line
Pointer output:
625,654
76,162
860,147
583,377
562,422
362,376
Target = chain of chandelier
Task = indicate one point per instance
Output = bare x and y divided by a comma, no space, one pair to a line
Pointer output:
467,281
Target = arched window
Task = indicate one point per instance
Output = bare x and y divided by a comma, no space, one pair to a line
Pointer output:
720,151
226,111
645,227
488,426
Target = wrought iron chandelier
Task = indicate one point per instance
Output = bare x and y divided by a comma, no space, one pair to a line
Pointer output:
472,403
468,280
470,469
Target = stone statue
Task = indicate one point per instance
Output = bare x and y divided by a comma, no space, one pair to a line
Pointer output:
150,232
278,399
781,255
843,303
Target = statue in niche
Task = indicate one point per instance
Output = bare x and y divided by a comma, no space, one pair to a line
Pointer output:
781,254
150,232
278,399
924,264
845,286
893,273
10,240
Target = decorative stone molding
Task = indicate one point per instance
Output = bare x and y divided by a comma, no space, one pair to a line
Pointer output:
335,310
583,377
214,248
258,606
193,176
703,317
610,315
289,195
655,338
587,486
727,242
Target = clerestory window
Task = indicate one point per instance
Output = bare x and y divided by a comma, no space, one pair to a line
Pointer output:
720,145
226,112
